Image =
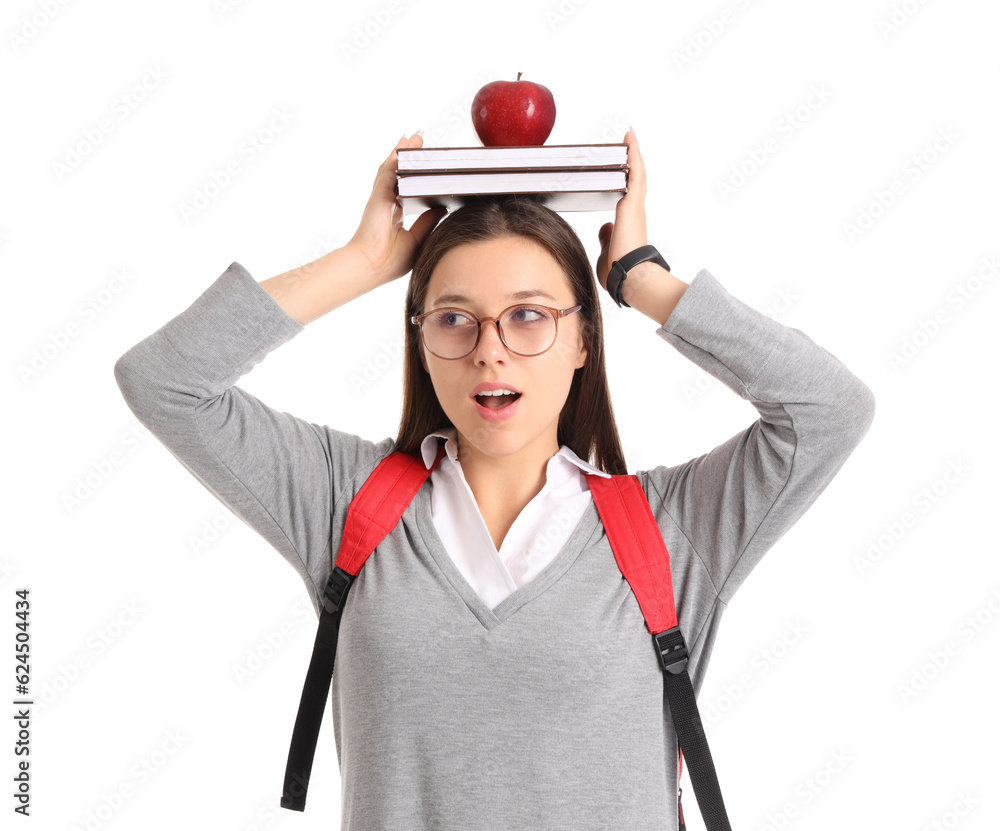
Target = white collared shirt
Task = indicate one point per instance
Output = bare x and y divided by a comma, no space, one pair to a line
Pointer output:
536,536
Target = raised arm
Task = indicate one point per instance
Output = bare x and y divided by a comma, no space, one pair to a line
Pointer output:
280,474
735,502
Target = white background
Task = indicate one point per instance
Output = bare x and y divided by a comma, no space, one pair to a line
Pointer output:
704,84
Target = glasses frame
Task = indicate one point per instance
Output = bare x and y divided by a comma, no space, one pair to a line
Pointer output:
557,313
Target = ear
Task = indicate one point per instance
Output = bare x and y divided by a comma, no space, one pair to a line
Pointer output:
582,358
423,359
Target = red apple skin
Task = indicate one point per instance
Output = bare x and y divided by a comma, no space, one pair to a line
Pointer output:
513,113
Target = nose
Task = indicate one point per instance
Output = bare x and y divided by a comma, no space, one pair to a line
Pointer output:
490,345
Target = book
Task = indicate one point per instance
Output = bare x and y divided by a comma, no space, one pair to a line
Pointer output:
566,200
564,177
511,182
439,159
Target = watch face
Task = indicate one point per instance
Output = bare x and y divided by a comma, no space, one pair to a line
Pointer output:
641,254
649,253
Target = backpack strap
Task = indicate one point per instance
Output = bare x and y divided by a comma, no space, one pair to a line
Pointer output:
644,561
373,513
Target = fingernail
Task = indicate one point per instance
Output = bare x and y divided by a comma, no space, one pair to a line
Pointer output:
418,133
633,132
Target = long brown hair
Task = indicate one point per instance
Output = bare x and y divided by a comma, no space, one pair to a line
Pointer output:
586,422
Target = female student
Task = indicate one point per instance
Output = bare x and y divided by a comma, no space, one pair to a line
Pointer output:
493,668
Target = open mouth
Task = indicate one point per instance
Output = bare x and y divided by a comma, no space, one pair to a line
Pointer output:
497,402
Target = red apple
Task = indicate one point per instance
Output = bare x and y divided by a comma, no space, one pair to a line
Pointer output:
513,113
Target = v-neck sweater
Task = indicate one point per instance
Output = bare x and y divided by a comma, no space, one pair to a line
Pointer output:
533,540
548,710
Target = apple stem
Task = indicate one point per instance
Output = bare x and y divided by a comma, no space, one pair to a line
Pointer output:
519,76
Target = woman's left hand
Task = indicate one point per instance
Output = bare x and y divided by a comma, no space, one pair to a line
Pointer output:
628,231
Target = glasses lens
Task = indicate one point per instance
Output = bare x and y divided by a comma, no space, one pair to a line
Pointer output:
449,333
528,330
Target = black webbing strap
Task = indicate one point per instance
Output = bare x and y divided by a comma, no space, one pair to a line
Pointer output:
679,693
314,693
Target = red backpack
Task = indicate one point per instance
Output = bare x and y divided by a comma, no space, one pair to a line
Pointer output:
641,555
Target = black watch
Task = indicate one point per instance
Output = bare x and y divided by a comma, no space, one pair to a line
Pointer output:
620,269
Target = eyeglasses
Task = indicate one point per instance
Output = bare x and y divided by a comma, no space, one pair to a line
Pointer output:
525,329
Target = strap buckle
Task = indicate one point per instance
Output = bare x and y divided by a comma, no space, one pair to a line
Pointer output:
672,651
336,589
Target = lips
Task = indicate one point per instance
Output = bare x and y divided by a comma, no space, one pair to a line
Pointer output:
500,414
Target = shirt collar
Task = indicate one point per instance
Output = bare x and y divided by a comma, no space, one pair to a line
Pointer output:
429,448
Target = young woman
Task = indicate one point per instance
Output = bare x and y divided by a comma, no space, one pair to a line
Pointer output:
493,668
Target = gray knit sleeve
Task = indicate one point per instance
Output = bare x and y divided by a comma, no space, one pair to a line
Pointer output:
735,502
279,474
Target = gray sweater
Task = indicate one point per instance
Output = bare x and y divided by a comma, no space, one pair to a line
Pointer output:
546,712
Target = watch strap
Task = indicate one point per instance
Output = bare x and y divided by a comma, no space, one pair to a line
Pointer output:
620,269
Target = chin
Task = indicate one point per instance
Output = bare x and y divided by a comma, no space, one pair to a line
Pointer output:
492,440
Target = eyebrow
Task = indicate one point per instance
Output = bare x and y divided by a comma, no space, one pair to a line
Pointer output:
517,295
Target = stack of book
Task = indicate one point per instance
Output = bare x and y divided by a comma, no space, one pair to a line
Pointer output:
564,177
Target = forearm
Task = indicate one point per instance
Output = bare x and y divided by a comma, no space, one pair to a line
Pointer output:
652,290
200,353
314,289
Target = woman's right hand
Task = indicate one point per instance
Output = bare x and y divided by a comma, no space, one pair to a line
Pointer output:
381,239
